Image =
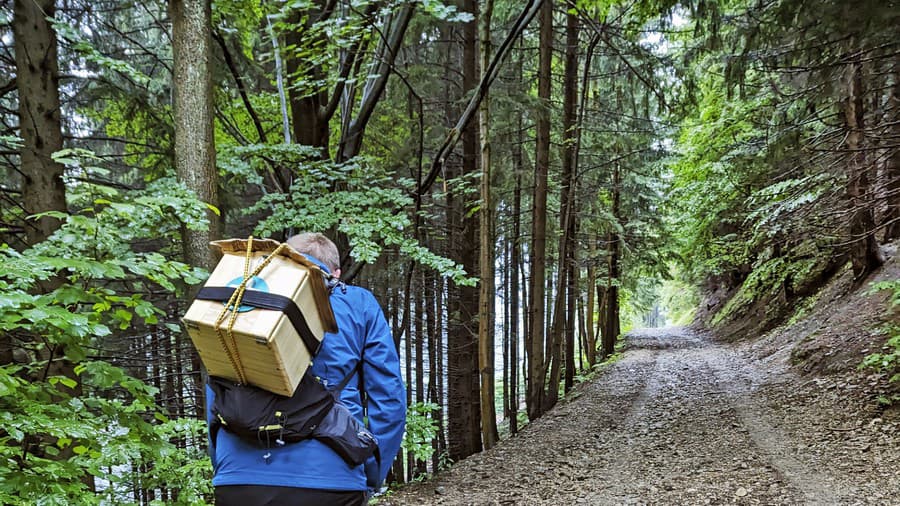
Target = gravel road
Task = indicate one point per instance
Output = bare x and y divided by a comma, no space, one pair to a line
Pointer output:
684,420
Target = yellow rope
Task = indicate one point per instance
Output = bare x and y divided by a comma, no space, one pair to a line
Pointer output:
233,356
234,302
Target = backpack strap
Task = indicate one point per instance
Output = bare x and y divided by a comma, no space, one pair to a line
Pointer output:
349,375
344,382
273,301
332,282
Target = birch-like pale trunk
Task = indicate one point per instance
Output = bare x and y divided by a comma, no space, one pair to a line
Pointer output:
279,82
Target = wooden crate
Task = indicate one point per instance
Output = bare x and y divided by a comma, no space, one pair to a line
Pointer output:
266,344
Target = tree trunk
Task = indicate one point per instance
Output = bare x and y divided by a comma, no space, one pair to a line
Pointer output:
601,314
462,357
590,338
515,253
40,123
572,278
421,304
440,413
388,47
569,179
561,338
40,127
507,335
536,370
431,330
611,320
581,354
865,256
892,168
406,331
486,245
195,154
309,127
557,329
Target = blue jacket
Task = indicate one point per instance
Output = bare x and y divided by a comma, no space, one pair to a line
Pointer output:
363,333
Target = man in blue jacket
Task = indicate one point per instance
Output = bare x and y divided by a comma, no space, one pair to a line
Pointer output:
308,472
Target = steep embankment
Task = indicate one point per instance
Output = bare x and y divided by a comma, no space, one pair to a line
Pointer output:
681,419
828,332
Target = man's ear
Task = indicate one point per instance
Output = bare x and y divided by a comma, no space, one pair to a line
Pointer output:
336,273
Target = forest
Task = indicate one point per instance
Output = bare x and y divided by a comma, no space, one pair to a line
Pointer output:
520,184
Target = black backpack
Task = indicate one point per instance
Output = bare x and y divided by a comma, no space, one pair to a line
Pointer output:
271,420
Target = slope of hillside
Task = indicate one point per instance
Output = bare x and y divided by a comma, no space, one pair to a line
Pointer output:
830,332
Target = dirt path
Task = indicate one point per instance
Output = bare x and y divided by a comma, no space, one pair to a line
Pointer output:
682,420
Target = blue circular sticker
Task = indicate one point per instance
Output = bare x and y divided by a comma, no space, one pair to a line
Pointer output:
256,283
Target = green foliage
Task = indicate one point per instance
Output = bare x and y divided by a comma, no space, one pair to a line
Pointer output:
679,301
768,276
803,309
750,208
89,52
888,361
762,175
623,165
773,207
107,437
241,18
369,208
637,302
92,420
893,288
444,12
421,429
709,191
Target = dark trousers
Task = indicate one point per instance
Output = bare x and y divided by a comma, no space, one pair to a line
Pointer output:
260,495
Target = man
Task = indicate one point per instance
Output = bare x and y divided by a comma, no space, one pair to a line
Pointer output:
308,472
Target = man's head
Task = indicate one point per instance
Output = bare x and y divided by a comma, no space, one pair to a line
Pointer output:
319,247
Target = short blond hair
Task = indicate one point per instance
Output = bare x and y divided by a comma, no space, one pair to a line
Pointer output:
317,246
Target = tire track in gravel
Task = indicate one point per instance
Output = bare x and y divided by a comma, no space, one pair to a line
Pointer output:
571,446
677,420
679,442
740,381
628,439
